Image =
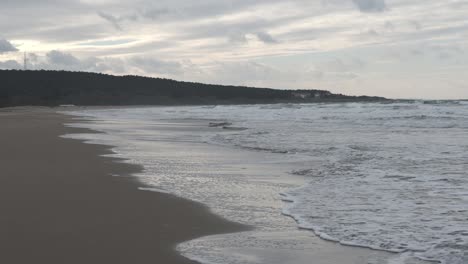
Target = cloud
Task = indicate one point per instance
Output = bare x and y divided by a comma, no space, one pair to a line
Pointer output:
253,73
70,33
10,65
155,66
266,38
142,13
58,60
153,13
6,46
111,19
265,42
415,24
56,57
370,5
237,37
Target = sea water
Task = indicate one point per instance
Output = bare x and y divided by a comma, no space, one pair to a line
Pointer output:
387,176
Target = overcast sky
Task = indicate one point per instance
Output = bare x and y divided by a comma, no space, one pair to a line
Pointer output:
393,48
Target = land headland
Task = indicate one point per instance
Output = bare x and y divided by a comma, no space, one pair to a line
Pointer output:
54,88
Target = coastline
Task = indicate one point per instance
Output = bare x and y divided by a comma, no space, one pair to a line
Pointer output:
60,203
225,179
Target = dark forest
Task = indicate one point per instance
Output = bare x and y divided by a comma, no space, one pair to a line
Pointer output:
54,88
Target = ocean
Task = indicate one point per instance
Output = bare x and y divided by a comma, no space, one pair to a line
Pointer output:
392,177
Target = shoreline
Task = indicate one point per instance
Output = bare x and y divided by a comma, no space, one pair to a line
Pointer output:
60,203
172,159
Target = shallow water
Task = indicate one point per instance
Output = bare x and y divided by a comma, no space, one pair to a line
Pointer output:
385,176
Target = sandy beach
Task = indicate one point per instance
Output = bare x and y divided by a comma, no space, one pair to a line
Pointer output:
60,203
64,201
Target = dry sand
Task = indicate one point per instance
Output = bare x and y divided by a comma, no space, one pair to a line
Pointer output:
59,203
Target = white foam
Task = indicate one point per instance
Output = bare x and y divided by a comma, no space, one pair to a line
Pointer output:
158,190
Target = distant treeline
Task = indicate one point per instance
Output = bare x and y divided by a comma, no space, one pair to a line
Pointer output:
53,88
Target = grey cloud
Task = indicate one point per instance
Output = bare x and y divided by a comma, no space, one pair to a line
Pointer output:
155,66
237,36
10,65
178,10
154,13
415,24
58,60
236,31
71,33
266,38
264,75
35,3
183,9
111,19
142,13
240,37
389,26
23,19
372,33
252,73
366,35
134,15
61,58
32,57
311,33
195,30
6,46
417,52
343,66
315,74
111,65
436,34
440,52
371,5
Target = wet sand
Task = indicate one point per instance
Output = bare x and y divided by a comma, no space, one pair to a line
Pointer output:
59,202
